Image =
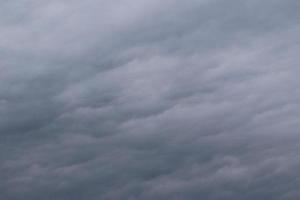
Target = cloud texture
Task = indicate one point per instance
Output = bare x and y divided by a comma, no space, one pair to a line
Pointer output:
149,99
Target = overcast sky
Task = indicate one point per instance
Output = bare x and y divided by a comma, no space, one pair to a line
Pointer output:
149,100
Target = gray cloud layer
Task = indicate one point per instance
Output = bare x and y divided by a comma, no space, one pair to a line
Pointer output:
140,99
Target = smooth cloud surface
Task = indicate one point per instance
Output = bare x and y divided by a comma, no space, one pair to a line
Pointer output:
140,99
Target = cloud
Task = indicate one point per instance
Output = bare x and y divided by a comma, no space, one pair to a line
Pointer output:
149,100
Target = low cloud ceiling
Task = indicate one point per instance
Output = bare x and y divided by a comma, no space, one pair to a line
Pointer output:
149,99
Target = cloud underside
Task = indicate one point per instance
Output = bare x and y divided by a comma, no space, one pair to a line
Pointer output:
138,99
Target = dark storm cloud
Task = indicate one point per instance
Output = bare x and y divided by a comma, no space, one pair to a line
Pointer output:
149,100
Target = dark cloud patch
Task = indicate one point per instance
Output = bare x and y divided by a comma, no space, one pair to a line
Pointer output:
149,100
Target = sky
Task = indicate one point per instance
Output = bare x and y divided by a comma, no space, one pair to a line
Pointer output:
149,100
